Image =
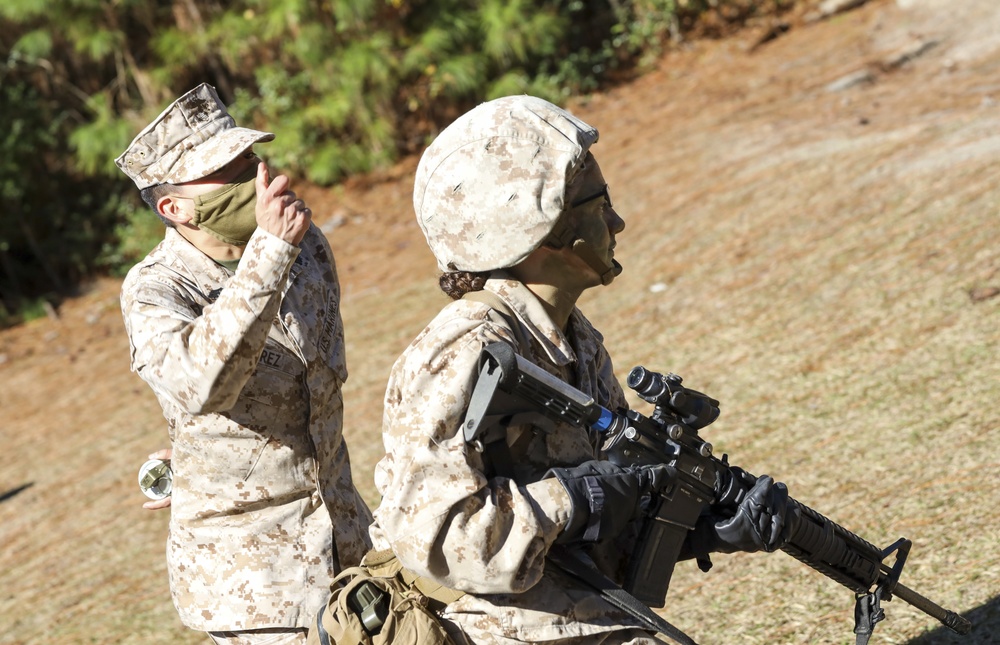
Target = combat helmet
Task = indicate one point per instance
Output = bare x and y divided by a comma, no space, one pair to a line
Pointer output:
491,187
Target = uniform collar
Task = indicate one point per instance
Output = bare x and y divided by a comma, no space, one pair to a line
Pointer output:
532,315
209,275
203,270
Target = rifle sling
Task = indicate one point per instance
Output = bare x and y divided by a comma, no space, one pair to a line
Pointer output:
867,611
615,595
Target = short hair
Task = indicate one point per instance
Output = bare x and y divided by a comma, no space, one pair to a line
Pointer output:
152,194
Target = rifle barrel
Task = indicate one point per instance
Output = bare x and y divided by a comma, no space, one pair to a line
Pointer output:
948,618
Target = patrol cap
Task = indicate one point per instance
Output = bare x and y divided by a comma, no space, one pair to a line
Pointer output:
491,186
192,138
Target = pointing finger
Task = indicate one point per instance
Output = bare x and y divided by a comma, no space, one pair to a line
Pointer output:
262,178
278,185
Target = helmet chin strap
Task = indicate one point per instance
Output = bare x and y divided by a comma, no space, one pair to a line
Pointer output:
560,237
607,271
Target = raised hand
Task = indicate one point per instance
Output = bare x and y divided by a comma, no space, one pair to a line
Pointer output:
279,211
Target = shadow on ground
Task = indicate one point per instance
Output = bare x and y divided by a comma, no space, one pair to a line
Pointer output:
14,491
985,621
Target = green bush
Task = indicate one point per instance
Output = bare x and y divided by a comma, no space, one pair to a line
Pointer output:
54,219
349,85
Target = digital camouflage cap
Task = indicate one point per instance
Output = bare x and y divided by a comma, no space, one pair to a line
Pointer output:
492,185
192,138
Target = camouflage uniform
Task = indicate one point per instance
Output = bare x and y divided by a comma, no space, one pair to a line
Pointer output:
447,521
489,192
248,368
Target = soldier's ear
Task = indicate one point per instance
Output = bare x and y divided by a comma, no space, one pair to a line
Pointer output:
173,208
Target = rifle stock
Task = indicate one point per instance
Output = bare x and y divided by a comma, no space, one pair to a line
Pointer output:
510,389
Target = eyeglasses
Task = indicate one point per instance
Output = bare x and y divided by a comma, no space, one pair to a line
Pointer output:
589,198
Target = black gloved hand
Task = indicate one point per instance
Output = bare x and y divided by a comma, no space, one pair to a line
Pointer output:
759,523
606,497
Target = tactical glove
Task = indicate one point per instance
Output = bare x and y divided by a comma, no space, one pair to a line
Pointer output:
606,497
759,523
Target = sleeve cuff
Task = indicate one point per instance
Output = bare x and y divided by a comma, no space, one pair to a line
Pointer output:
267,260
553,504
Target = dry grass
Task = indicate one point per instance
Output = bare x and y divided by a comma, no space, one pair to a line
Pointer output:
821,262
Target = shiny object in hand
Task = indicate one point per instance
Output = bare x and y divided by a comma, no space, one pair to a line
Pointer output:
156,479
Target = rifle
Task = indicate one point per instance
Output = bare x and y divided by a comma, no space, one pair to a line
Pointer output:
511,390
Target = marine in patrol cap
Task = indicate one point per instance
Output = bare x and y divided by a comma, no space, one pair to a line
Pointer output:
491,187
192,138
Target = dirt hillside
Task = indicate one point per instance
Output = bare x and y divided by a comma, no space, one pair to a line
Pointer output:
812,238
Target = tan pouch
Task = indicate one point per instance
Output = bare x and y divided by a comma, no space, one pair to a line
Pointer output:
375,604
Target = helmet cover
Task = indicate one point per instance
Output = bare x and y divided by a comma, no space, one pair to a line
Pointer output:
490,188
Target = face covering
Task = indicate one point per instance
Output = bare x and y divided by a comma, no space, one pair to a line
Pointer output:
229,214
